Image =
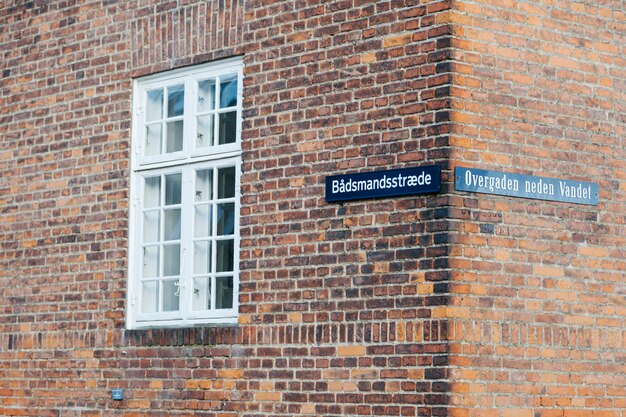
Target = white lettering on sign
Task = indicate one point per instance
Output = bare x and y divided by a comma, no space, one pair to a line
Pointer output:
575,191
541,188
538,187
491,182
386,183
352,186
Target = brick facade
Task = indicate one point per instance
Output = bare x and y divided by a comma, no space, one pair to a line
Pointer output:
538,306
455,304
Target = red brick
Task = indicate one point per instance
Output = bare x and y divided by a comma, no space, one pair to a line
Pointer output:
354,309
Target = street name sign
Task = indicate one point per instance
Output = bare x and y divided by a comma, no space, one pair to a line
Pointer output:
387,183
526,186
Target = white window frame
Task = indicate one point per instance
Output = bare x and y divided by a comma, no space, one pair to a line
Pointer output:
186,161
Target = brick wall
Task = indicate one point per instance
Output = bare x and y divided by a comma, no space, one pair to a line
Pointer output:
341,306
456,304
340,300
537,316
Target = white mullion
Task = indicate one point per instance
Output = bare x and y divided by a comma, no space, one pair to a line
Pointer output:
206,276
239,118
185,280
143,246
218,92
139,126
189,113
214,236
134,278
160,243
164,122
179,241
216,112
213,298
166,94
236,240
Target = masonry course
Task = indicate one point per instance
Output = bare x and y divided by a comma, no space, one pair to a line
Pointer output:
451,304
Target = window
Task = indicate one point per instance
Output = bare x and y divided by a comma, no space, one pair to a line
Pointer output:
184,221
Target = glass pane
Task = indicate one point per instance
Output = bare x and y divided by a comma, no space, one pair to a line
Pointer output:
206,95
225,254
175,101
202,257
228,92
174,136
153,139
171,226
171,260
224,292
152,192
202,221
151,226
226,182
173,189
204,185
201,299
204,137
154,105
149,296
228,127
150,262
170,295
226,219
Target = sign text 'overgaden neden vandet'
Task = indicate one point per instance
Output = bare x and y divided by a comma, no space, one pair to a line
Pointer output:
527,186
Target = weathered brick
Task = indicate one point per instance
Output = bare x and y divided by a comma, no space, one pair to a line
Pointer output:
470,301
548,282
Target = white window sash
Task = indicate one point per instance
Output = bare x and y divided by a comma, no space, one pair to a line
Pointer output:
190,82
186,161
185,312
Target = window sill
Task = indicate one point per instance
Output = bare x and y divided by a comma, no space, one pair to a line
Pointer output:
186,324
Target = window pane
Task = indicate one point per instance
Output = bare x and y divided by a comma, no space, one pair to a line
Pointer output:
228,92
175,101
226,219
202,221
150,262
206,95
152,192
153,139
204,185
201,294
170,295
151,226
171,260
173,189
226,182
149,296
225,254
224,292
204,137
174,136
202,257
154,105
171,227
228,127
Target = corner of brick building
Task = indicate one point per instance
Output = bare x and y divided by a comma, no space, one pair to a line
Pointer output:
452,304
537,308
342,308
